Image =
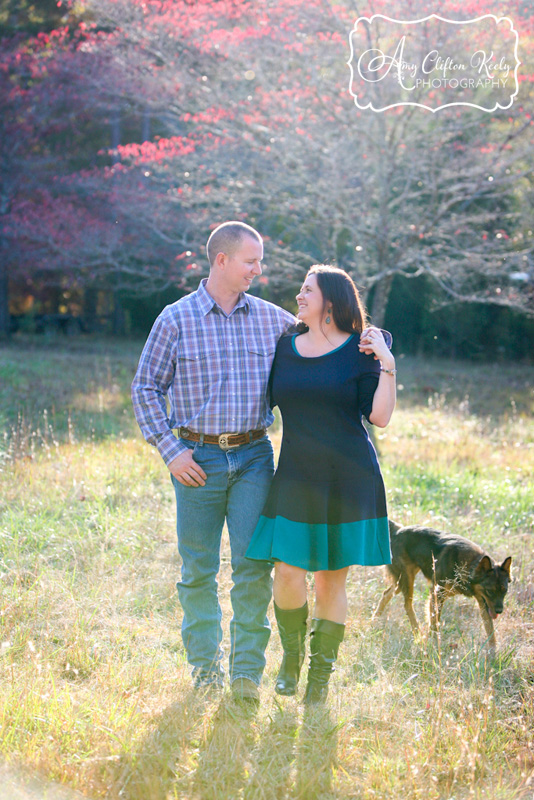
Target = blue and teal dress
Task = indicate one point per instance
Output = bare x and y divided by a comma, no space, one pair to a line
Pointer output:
326,508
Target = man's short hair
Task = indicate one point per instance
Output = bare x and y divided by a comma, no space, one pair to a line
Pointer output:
227,237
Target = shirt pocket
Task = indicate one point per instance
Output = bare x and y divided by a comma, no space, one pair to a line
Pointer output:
265,351
196,370
263,345
260,359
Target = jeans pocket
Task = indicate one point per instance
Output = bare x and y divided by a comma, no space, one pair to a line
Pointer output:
189,444
265,443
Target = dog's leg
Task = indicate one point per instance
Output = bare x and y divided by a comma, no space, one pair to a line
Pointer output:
384,600
438,595
408,605
407,589
488,624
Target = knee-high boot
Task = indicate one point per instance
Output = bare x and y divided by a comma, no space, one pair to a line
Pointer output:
325,638
292,630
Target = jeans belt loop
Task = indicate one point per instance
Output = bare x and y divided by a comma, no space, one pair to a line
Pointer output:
201,440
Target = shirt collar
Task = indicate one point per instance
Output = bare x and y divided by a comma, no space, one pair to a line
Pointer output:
206,302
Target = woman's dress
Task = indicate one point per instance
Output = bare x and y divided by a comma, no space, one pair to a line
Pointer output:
326,508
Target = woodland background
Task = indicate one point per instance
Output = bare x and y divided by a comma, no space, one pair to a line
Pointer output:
129,129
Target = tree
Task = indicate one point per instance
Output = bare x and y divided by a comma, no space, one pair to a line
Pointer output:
251,118
40,111
402,191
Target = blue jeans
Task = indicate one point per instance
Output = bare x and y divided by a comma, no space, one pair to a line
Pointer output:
236,488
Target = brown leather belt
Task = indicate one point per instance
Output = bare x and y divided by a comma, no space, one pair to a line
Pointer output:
225,440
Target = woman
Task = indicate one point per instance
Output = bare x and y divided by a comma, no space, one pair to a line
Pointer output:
326,509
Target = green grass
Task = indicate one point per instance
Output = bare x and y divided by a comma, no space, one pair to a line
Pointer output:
49,393
94,686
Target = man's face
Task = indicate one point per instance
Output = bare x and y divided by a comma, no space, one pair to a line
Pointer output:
240,268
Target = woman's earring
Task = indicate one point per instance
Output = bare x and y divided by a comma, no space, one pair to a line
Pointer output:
328,311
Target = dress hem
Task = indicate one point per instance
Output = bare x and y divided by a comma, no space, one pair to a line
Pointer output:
321,546
273,559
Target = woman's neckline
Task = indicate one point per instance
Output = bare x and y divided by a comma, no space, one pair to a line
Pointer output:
295,335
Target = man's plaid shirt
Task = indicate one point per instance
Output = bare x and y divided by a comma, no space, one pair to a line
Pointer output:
213,367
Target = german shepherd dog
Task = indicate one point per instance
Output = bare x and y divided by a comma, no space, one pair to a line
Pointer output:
451,565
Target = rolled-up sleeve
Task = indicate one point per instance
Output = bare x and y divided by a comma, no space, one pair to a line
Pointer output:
153,378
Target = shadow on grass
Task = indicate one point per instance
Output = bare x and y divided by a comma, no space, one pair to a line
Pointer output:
225,755
316,758
200,748
208,752
292,761
149,773
275,756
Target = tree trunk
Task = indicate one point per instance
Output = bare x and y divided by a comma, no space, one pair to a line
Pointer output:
5,207
380,301
54,296
90,300
119,320
4,300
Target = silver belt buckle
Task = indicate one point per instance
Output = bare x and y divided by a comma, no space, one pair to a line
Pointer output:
223,441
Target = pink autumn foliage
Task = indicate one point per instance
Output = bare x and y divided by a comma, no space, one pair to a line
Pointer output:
227,84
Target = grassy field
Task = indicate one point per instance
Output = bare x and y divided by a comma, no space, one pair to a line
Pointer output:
94,688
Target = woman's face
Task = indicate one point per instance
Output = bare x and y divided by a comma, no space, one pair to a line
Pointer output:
310,301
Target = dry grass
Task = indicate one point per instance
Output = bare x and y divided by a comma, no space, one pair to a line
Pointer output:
94,687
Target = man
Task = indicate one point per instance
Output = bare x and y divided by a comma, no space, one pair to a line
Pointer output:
210,353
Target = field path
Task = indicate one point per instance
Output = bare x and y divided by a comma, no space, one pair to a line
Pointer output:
18,785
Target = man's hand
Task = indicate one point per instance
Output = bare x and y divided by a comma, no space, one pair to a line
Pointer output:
372,343
186,470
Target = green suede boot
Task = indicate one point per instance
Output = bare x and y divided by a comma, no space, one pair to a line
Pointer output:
292,630
325,638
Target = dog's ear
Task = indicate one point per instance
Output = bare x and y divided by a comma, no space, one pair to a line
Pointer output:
484,565
507,564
